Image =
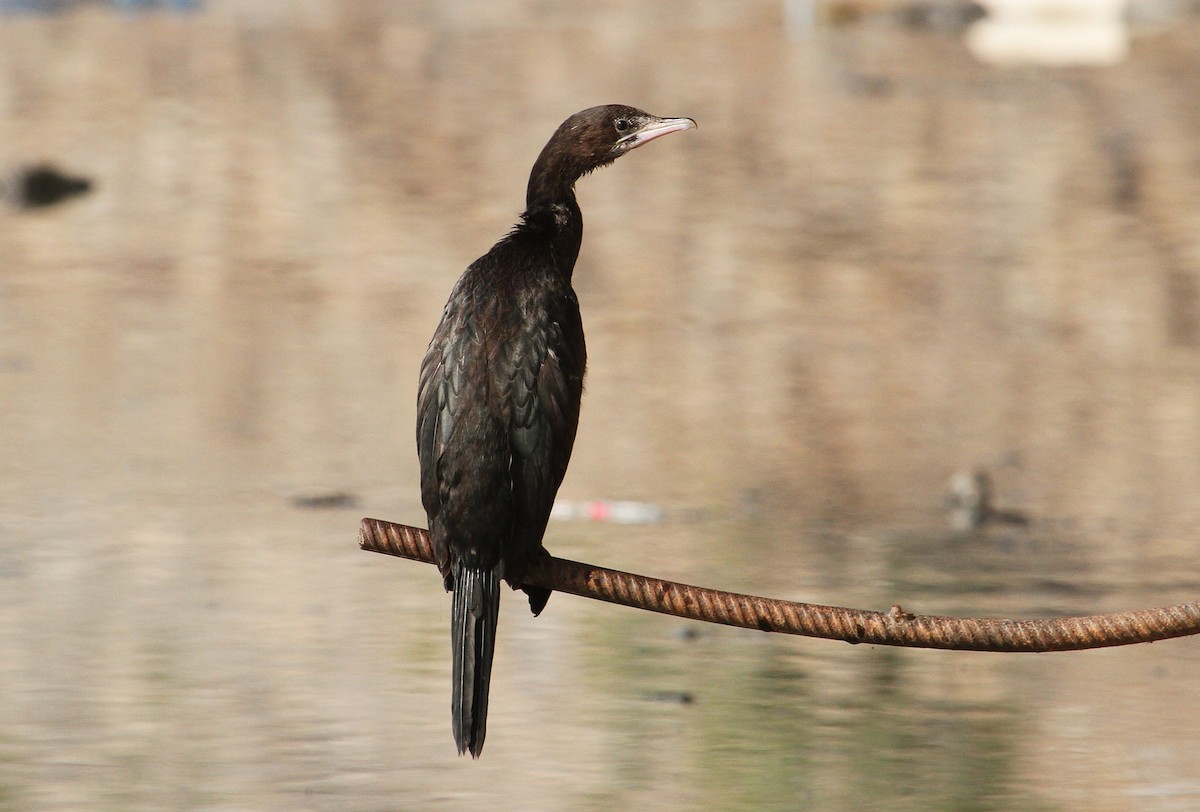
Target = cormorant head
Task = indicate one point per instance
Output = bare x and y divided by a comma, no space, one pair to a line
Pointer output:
591,139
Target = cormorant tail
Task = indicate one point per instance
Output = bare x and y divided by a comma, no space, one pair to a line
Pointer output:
474,615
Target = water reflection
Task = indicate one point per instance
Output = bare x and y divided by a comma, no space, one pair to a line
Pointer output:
879,263
773,727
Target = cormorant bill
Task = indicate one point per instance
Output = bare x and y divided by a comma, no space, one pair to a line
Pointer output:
498,400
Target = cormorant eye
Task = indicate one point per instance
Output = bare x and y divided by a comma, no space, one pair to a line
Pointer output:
623,125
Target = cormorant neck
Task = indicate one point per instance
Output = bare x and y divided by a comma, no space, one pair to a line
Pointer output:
550,182
551,211
556,169
558,225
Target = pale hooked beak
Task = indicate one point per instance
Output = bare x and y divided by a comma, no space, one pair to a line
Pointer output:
655,129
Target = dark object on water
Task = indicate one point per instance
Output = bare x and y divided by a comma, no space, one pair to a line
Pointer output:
941,16
671,697
44,185
969,502
333,500
498,401
948,16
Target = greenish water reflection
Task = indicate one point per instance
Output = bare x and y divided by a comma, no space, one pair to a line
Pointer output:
780,724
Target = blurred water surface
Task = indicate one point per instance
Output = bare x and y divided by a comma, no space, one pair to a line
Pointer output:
875,264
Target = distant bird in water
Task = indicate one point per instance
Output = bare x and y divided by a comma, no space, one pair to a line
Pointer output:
498,400
969,499
43,185
969,503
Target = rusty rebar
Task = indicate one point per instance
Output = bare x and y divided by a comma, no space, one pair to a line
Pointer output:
893,628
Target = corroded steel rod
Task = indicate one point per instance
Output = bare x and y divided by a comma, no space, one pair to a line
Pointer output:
892,628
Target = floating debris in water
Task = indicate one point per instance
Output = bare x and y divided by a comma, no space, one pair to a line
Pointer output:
325,501
620,512
672,697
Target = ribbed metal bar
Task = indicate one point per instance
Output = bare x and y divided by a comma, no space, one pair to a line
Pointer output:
892,628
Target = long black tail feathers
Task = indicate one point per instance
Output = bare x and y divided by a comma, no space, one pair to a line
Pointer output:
475,613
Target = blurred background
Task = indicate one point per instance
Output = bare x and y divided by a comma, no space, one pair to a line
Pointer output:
913,316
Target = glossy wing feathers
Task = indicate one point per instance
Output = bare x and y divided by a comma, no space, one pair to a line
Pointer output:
545,392
449,372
